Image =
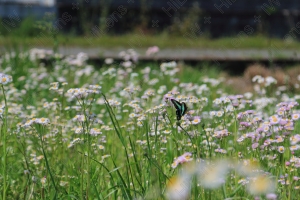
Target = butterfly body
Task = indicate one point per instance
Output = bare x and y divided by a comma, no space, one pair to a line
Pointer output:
181,108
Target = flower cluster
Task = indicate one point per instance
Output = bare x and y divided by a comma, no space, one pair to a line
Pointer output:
212,175
41,121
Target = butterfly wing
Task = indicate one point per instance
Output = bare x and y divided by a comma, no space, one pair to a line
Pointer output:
181,108
177,104
184,109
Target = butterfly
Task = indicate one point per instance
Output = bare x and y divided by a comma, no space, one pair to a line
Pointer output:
181,108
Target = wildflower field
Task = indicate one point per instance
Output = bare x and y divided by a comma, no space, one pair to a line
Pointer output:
124,130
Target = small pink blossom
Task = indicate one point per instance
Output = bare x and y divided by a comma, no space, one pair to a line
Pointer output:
274,119
152,50
255,145
271,196
186,157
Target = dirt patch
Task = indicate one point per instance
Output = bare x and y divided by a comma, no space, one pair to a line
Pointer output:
285,77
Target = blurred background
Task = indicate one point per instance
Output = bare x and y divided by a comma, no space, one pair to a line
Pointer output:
270,27
215,18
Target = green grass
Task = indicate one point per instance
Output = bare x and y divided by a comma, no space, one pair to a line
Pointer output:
140,137
144,41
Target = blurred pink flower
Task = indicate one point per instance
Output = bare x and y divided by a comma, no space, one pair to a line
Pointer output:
152,50
255,145
186,157
271,196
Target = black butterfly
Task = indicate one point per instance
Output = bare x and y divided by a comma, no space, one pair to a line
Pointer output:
181,108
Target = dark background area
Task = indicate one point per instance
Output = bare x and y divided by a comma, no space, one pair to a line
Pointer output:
215,18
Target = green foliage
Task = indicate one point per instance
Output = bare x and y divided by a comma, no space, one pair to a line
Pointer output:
121,139
189,23
27,28
163,40
24,28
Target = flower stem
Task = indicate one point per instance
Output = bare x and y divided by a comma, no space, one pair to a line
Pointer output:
47,165
86,130
4,133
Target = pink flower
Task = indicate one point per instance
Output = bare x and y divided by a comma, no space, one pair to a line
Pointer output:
283,122
245,124
220,134
254,146
249,112
152,50
274,119
271,196
295,116
196,120
186,157
168,97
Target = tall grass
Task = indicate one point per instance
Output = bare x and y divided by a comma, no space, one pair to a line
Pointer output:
76,132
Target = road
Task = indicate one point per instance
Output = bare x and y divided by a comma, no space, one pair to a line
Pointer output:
188,54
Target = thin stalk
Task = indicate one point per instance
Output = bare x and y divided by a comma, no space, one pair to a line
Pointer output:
194,145
4,133
235,140
125,188
224,191
235,126
119,134
88,167
82,173
47,165
178,124
86,131
137,165
207,139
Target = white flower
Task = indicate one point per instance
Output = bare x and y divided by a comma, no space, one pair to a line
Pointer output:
95,131
79,118
5,79
270,80
213,175
43,121
258,79
179,187
261,185
281,149
43,180
127,64
108,61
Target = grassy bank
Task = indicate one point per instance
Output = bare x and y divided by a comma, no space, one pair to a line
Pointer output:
139,40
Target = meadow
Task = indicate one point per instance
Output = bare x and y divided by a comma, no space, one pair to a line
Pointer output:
71,130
